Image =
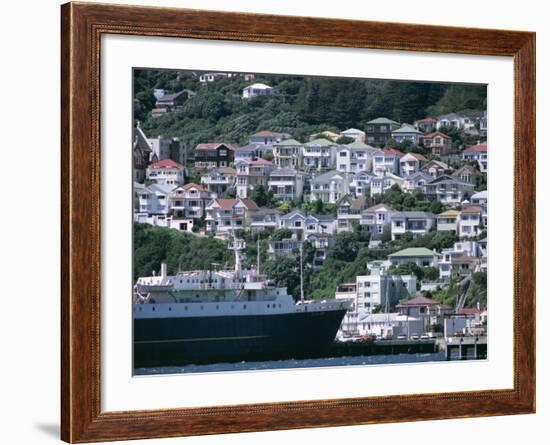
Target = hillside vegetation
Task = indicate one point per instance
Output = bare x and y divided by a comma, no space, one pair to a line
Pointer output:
305,106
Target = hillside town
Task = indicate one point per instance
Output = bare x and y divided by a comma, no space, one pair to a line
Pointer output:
405,195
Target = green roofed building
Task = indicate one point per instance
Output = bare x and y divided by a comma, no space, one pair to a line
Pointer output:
319,155
288,154
421,256
379,131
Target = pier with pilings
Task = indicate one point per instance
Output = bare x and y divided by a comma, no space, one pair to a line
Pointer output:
463,348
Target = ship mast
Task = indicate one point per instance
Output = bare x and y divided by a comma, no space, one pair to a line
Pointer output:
302,271
258,256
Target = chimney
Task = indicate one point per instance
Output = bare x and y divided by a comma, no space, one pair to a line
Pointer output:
163,271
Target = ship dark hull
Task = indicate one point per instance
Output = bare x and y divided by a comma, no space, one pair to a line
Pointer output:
203,340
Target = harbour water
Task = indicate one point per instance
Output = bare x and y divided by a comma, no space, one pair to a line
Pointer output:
295,364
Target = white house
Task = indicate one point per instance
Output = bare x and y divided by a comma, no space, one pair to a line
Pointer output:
259,89
302,225
379,184
355,134
251,174
166,172
189,201
411,163
354,157
380,289
375,218
218,180
329,187
469,222
360,184
319,154
449,120
386,161
416,181
287,154
153,199
416,223
286,184
227,215
477,153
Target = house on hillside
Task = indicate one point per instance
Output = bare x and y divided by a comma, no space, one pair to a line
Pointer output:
448,221
470,222
329,187
166,172
448,190
415,223
354,157
319,154
167,103
379,184
355,134
411,163
141,155
435,168
259,89
226,215
416,181
375,218
288,153
214,155
251,174
477,153
349,211
420,256
286,184
425,125
438,143
266,137
189,201
451,120
219,180
469,174
379,131
386,161
360,184
302,225
407,133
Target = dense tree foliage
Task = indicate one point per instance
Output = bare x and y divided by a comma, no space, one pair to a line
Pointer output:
181,251
306,105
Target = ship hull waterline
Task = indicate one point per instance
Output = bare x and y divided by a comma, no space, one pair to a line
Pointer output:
180,341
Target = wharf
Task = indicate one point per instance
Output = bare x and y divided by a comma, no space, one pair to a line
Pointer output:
382,347
464,348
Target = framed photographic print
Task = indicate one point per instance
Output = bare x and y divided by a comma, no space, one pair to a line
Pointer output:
279,222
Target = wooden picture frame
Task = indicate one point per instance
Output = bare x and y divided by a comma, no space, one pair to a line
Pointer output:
82,26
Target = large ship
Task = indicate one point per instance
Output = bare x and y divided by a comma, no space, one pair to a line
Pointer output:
215,316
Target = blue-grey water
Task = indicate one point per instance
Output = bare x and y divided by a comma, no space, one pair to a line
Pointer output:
293,364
